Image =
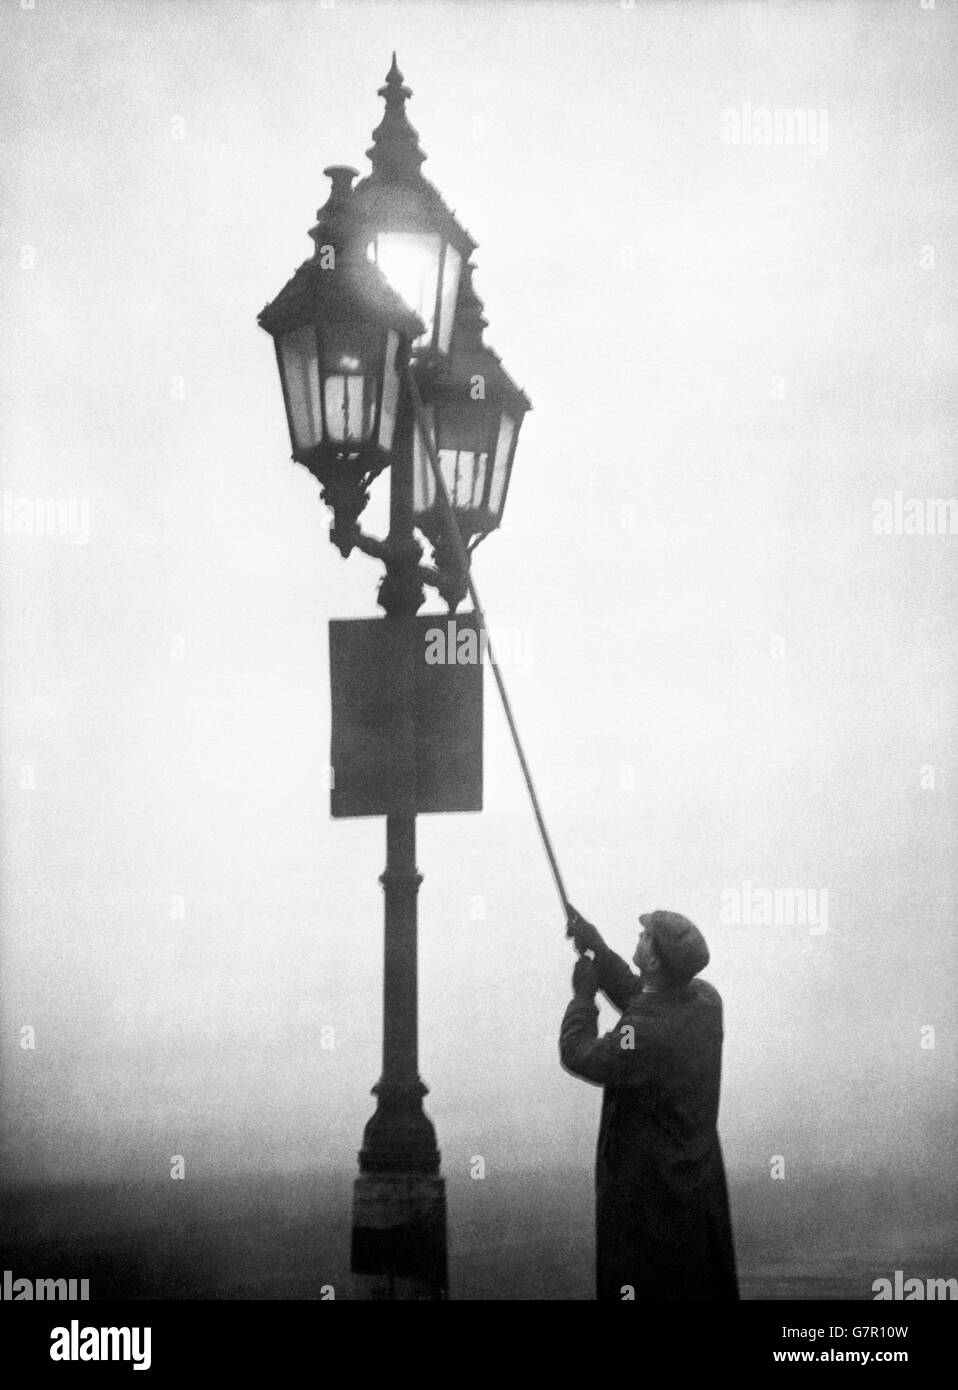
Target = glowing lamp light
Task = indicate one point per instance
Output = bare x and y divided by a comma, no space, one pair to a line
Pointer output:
424,271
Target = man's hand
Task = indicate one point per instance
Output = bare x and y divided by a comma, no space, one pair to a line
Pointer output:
584,934
585,981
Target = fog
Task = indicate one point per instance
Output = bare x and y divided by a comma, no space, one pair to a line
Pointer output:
722,674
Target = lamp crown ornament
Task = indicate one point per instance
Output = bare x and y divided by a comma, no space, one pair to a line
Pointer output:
395,152
336,224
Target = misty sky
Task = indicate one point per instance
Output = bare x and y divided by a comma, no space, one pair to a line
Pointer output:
721,673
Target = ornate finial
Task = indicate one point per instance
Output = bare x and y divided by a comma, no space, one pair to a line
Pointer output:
333,218
341,177
394,76
395,151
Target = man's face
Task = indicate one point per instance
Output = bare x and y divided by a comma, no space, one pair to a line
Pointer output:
645,951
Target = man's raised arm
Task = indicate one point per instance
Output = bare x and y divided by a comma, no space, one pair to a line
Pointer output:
616,981
607,1061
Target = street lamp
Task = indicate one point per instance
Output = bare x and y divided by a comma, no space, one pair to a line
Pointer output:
474,411
384,317
412,236
342,339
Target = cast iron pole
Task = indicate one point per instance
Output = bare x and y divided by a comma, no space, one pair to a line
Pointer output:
399,1216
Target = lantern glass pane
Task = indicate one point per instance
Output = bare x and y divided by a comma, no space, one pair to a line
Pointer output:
452,265
387,417
459,468
298,356
410,262
350,362
423,482
507,429
480,479
348,411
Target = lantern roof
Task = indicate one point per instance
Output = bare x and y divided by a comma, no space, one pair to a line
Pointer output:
338,279
470,355
396,189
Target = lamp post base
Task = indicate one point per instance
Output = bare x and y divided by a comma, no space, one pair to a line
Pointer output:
399,1236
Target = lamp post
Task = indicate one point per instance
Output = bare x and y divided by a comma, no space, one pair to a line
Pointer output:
388,292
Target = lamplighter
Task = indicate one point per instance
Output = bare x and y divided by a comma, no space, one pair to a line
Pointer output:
411,235
474,411
342,337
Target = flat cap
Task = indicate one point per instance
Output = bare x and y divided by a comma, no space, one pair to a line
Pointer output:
679,943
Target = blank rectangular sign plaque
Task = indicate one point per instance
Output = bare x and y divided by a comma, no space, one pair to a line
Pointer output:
392,755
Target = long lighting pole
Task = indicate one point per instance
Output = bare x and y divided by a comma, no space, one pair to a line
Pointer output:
399,1213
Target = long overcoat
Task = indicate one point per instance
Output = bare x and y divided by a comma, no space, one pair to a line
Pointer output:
663,1229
